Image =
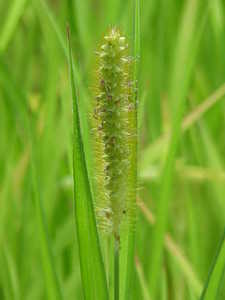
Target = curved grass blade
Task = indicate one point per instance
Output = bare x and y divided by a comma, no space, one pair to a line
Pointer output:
91,262
156,149
176,253
12,19
45,11
216,273
11,275
214,160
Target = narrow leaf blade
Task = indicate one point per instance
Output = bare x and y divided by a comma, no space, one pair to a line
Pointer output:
91,262
215,274
12,19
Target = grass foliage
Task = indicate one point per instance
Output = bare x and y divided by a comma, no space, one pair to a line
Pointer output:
50,247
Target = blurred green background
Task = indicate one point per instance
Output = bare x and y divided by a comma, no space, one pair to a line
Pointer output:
181,89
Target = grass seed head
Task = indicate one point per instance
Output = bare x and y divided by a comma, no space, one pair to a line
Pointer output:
113,104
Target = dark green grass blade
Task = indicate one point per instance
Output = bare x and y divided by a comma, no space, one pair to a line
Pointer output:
216,273
91,262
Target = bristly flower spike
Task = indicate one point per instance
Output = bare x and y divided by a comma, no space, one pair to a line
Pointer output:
113,132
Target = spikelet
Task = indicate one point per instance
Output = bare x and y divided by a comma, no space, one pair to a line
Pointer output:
113,131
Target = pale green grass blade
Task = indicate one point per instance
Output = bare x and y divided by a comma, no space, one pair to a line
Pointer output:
91,262
12,274
216,273
82,10
43,7
142,279
214,160
217,17
4,192
187,172
183,57
15,13
176,253
155,150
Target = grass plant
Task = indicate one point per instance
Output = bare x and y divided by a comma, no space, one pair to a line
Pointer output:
57,230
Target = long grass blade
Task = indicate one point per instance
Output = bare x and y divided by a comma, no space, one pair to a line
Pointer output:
216,273
42,5
176,253
91,262
142,279
12,273
214,160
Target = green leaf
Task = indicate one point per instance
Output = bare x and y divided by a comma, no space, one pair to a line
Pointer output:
12,19
91,261
216,273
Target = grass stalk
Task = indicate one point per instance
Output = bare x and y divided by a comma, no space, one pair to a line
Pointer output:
216,273
116,270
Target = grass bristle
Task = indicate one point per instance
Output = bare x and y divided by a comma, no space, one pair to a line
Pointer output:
113,105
